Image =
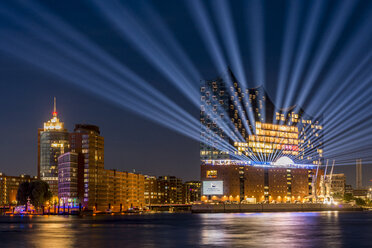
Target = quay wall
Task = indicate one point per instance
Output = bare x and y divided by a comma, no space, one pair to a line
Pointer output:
279,207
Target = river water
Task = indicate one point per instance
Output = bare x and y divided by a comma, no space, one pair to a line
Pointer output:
300,229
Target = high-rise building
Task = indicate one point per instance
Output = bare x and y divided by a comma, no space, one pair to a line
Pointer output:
86,140
83,178
70,178
9,187
53,140
233,116
251,148
192,191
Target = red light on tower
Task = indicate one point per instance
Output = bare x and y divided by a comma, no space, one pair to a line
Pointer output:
55,108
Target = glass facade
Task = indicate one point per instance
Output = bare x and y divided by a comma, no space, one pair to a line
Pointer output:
53,141
86,140
243,123
68,179
52,145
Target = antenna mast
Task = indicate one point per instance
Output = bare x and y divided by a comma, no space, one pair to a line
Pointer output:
55,108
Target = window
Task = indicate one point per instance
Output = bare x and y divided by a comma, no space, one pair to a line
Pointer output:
211,174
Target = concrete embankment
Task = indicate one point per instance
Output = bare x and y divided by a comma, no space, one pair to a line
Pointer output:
279,207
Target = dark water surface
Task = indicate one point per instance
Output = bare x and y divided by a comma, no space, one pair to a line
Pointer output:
315,229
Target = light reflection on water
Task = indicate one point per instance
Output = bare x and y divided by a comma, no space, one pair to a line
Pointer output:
270,229
317,229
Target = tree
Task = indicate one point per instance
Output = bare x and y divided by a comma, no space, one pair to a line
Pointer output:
23,193
37,191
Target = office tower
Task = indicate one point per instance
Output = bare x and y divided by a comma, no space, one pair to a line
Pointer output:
53,140
70,178
86,140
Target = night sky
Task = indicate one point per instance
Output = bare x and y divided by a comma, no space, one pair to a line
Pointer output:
134,142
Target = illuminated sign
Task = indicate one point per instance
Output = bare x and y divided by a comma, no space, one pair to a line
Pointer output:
212,188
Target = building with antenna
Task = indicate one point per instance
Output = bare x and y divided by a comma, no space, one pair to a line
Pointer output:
251,148
53,140
73,166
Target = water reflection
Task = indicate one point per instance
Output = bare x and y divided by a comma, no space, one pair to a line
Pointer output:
318,229
271,229
52,232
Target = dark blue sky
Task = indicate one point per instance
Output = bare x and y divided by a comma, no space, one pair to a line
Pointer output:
133,142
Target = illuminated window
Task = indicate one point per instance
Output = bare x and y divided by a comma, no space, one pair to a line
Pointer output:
211,174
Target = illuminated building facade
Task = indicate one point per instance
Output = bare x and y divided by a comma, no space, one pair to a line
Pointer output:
249,120
261,183
69,182
151,190
9,187
53,140
87,141
192,191
170,190
124,190
253,149
337,185
84,180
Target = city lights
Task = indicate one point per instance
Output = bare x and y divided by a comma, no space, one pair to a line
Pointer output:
112,79
250,119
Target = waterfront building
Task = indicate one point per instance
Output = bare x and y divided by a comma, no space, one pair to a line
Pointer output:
192,191
70,171
337,185
124,190
84,180
231,114
348,189
9,187
53,140
236,181
170,190
136,190
360,193
87,141
251,149
151,190
369,194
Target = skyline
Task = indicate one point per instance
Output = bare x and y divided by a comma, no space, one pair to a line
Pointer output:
128,135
